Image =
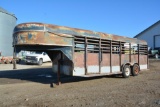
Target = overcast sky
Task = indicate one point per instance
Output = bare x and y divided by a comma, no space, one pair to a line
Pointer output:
121,17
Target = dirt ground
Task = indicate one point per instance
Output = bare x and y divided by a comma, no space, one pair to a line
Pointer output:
35,86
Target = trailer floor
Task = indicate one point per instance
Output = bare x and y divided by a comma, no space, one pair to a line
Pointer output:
35,86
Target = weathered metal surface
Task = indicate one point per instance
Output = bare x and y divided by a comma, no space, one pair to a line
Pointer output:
115,59
96,53
143,59
134,58
53,30
61,63
65,50
125,58
93,63
79,59
105,59
7,24
92,58
41,38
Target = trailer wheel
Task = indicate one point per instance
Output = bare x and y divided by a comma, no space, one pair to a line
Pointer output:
135,70
126,71
40,62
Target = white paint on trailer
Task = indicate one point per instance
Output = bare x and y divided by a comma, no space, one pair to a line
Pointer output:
115,69
143,66
93,69
105,69
78,71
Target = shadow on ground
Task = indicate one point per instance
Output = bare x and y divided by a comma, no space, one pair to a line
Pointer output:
45,75
40,75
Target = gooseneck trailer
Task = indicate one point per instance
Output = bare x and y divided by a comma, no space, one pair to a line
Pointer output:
78,52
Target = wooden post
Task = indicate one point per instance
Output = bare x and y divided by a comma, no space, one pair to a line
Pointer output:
138,55
147,58
14,58
100,56
110,56
120,54
130,52
85,55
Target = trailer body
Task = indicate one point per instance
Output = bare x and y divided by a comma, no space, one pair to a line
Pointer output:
79,52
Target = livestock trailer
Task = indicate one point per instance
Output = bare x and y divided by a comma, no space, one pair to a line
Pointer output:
79,52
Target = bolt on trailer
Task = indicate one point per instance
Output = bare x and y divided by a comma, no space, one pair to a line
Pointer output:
78,52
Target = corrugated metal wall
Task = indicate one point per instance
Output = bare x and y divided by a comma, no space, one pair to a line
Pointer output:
7,24
148,36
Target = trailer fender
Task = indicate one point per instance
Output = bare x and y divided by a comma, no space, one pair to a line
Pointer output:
124,65
129,64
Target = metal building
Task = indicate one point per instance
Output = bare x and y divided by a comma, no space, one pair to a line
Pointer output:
151,35
7,24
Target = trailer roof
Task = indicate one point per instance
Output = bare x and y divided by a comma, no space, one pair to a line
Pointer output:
34,26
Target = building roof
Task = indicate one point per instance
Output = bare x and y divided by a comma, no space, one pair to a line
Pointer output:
158,22
5,11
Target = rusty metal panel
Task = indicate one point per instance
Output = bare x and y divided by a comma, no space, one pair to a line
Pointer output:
34,37
125,58
26,27
71,31
93,62
105,65
143,59
79,59
115,59
105,59
93,59
79,63
134,58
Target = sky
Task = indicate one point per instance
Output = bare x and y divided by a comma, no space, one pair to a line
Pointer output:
120,17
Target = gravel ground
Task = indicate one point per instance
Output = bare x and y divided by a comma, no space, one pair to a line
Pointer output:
35,86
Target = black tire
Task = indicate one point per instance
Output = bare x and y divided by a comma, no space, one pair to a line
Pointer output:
135,70
40,62
126,71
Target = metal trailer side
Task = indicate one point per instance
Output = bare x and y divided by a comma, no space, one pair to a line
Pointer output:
60,43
